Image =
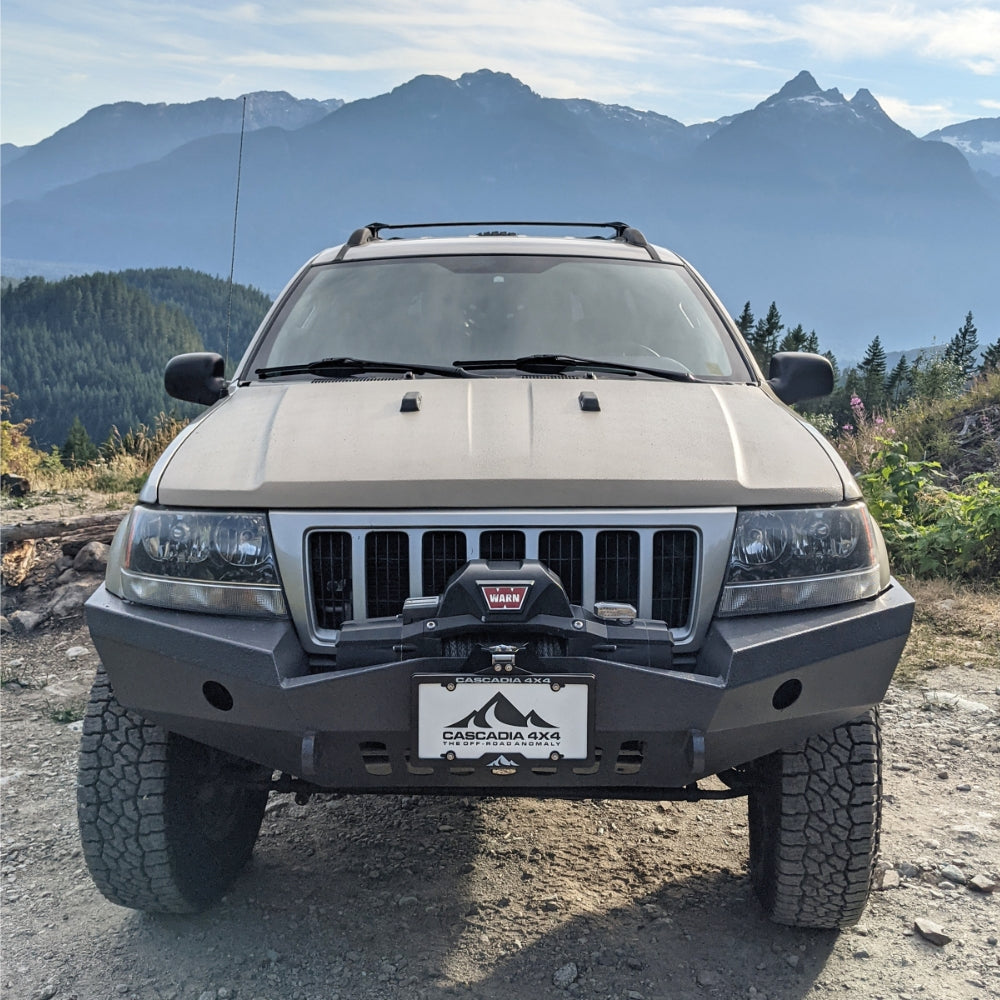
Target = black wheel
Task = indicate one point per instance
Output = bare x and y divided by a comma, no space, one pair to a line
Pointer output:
814,816
166,823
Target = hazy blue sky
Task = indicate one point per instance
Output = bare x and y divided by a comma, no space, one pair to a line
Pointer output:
929,62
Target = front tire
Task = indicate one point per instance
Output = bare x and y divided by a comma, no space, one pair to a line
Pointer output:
814,815
166,823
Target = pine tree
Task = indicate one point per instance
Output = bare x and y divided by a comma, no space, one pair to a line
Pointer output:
794,339
764,338
899,384
872,371
963,348
745,322
991,358
78,449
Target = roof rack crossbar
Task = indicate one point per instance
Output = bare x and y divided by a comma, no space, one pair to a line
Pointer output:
371,232
619,227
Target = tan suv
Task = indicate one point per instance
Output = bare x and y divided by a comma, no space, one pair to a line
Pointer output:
499,514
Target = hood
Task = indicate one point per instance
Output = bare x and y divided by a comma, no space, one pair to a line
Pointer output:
498,442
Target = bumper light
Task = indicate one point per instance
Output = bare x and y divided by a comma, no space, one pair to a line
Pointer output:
789,560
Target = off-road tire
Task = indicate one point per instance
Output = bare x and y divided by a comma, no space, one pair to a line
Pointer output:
166,823
814,814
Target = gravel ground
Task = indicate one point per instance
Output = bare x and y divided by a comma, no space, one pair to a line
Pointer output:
364,898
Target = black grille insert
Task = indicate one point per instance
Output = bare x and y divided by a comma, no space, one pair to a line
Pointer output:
330,569
562,552
443,553
617,569
673,576
387,572
501,545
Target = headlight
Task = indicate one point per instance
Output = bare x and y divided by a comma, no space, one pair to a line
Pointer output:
785,560
196,560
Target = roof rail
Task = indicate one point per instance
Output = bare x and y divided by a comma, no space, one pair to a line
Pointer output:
623,231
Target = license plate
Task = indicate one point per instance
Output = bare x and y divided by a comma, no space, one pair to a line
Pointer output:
467,717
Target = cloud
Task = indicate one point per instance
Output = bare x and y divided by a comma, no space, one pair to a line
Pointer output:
919,118
961,33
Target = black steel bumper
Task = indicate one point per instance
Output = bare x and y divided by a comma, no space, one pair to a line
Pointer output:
245,686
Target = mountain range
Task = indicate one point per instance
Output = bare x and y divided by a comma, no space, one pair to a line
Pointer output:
854,225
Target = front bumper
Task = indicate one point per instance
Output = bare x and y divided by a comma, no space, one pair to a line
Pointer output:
758,684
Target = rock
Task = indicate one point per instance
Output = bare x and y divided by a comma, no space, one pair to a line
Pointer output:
949,699
707,977
92,558
406,901
907,870
634,963
982,883
75,652
931,931
25,621
953,874
565,975
889,879
964,787
5,626
792,960
69,600
969,833
45,992
16,486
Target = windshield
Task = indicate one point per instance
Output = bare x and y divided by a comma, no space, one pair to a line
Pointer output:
438,310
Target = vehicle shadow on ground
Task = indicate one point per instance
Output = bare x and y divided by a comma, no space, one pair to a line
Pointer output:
481,898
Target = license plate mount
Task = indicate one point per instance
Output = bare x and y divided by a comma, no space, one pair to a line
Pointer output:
529,718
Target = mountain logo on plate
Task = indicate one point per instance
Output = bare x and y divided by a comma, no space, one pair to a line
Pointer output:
504,596
499,713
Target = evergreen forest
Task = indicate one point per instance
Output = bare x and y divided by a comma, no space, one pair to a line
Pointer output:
86,354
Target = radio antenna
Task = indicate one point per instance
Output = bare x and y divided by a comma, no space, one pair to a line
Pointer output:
236,215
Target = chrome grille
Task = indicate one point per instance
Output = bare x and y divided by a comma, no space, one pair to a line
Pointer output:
655,570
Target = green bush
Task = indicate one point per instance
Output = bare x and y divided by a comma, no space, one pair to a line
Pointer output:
930,530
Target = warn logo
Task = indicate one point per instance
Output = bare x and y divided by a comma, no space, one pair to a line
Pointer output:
504,596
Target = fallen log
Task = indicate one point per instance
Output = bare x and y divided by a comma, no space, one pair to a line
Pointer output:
89,526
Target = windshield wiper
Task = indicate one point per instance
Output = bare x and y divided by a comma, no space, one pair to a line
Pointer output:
555,364
358,366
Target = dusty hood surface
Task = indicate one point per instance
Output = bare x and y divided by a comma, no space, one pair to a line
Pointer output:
504,442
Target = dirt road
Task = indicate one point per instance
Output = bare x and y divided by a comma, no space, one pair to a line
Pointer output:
369,898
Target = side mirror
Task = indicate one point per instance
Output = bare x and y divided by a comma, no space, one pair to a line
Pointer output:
795,375
196,378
